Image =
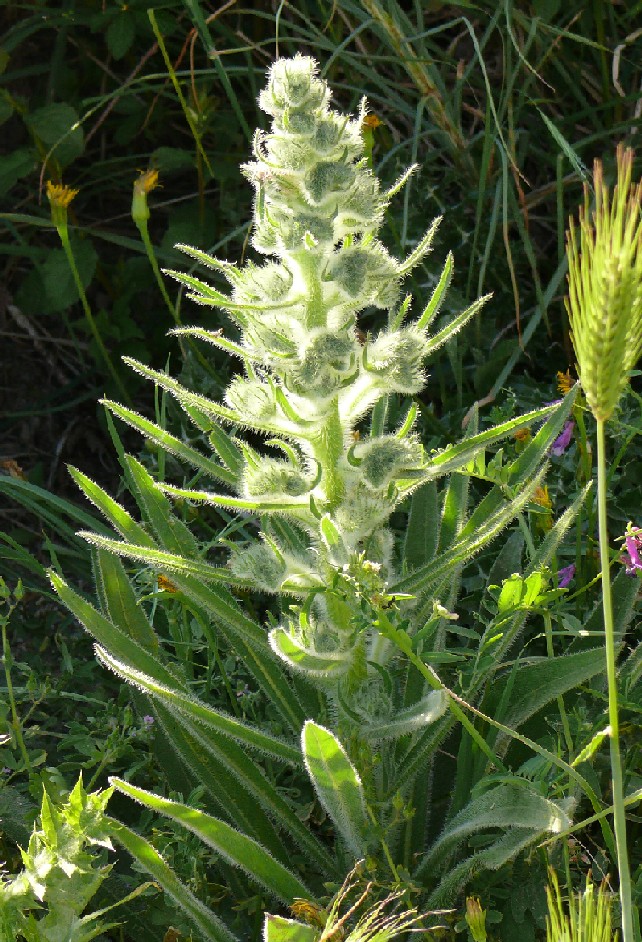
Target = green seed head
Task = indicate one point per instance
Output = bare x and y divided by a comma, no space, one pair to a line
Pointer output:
604,302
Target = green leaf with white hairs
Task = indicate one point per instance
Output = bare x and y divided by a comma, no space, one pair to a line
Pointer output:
171,444
264,505
211,928
171,532
119,518
235,848
473,538
454,325
321,666
505,807
411,720
250,644
184,704
111,636
422,249
454,457
337,784
434,304
119,601
159,560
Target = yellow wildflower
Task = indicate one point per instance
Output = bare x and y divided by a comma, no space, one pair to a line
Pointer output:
143,184
564,382
59,197
147,181
371,121
309,912
165,585
542,498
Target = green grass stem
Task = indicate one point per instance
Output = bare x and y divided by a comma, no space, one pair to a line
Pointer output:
619,817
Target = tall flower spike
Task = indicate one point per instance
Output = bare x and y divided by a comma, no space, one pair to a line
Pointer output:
604,303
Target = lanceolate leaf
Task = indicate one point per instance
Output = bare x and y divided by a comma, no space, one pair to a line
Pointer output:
171,444
176,701
505,806
112,636
119,518
411,720
206,922
320,666
119,601
337,784
159,559
236,848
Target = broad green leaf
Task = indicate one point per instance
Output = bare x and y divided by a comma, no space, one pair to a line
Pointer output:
542,679
337,785
505,806
178,702
422,529
279,929
206,922
234,847
473,538
58,126
170,443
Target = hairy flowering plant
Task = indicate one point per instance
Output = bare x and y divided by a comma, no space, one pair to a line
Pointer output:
355,666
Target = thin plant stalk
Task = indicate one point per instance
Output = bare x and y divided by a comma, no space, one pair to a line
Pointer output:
619,817
7,661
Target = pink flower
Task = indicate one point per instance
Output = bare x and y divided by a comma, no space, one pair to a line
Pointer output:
563,440
565,576
632,546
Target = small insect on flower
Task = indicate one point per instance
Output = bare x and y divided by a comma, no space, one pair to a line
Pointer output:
541,497
164,585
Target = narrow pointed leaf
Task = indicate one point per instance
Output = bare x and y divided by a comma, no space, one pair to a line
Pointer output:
279,929
119,518
206,922
236,848
434,304
111,636
410,720
216,720
120,602
170,443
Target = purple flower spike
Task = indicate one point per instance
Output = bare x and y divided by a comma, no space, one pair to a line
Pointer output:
563,440
632,546
565,576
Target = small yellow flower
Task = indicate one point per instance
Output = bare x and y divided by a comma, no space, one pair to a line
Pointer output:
542,498
143,184
165,585
564,382
309,912
59,197
147,181
371,121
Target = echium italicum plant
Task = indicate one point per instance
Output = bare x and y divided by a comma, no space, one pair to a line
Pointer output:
355,667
